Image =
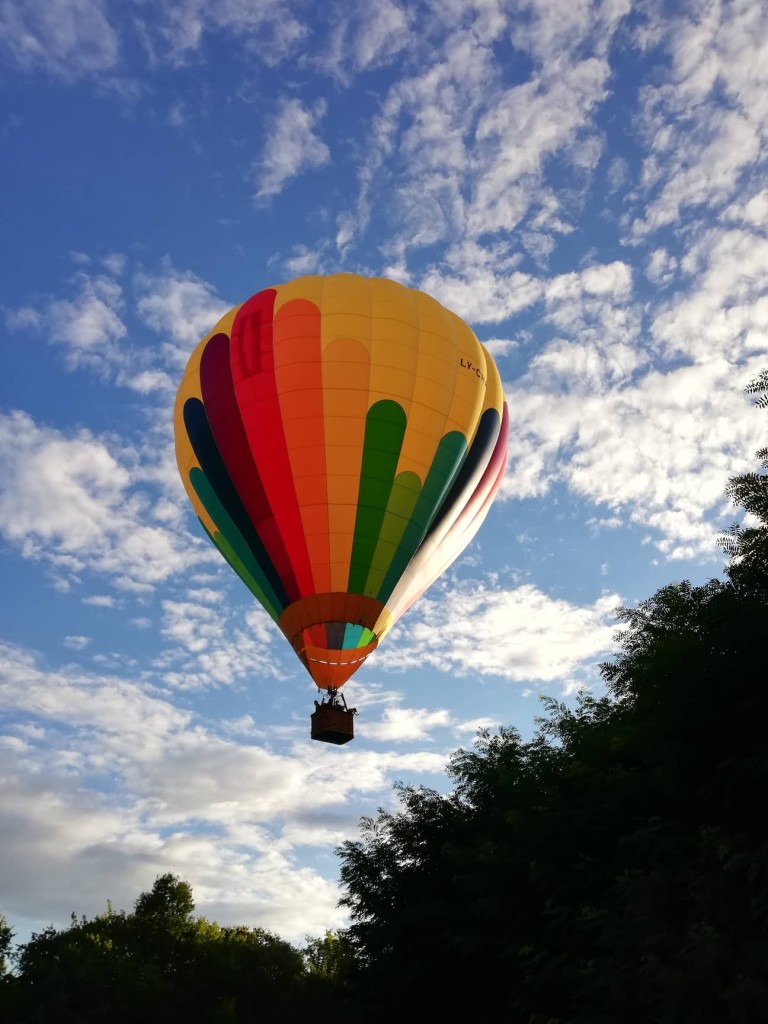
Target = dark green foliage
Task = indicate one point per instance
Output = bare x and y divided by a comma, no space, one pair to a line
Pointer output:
748,545
6,939
328,957
168,903
157,964
614,870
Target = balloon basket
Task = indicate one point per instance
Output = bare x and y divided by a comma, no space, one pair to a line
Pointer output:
332,721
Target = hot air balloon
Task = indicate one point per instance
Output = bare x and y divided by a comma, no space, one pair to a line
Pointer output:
341,439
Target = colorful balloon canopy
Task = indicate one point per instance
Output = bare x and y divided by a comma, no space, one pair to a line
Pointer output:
341,439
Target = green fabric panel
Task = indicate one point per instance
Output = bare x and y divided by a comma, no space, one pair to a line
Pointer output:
402,502
449,456
367,638
233,541
384,432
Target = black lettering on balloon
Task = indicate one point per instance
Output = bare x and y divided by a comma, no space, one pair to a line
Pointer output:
468,365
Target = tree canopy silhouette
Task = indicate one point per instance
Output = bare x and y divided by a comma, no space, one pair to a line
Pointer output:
614,868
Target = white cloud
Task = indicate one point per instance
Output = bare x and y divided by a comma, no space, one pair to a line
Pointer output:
639,409
292,146
661,267
303,261
365,35
473,725
486,289
500,347
268,30
401,723
88,326
525,126
76,643
126,786
418,153
659,451
180,307
519,634
752,211
458,154
73,501
725,313
215,647
547,29
100,601
67,38
148,381
706,124
88,322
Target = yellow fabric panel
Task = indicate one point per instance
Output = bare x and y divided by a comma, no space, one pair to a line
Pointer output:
394,355
433,382
390,383
390,300
347,293
345,312
470,391
344,325
494,394
346,372
310,287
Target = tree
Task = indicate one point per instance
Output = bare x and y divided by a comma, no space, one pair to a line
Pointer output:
6,939
748,545
614,868
169,901
329,956
158,964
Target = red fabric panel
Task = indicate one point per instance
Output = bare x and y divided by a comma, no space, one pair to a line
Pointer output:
223,414
253,373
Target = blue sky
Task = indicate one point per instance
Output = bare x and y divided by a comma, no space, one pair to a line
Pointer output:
584,182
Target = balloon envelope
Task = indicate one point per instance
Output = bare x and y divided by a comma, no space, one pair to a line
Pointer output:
341,439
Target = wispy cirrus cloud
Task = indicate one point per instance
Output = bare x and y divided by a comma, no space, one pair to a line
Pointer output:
706,122
69,39
292,146
367,35
87,323
179,306
99,321
462,154
270,30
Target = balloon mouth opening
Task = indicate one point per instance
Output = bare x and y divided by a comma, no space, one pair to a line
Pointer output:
332,634
331,654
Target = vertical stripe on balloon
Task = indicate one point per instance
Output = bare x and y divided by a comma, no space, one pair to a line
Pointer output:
212,465
479,452
253,373
445,465
346,375
384,430
299,381
227,538
222,410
